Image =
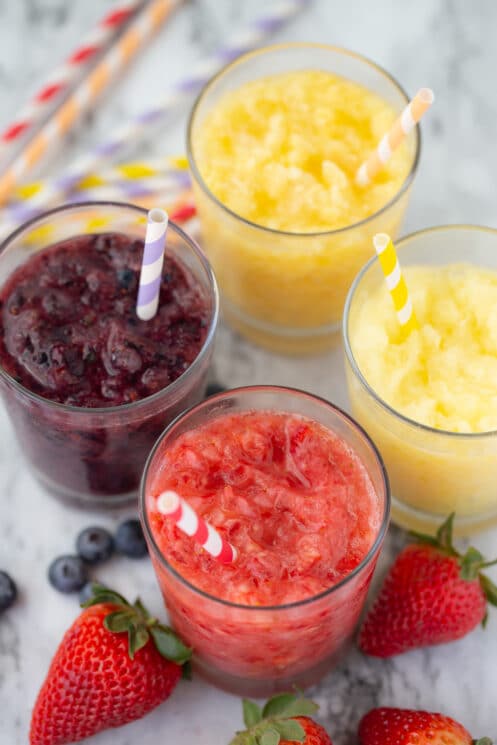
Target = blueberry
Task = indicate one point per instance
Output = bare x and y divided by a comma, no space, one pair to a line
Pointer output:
8,591
214,388
67,573
126,278
129,539
95,544
86,592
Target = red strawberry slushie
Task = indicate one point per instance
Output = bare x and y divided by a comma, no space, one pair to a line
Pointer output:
302,508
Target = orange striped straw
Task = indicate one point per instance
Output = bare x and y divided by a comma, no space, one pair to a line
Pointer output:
389,262
146,23
395,136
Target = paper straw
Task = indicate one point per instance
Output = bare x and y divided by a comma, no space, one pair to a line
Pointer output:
387,256
64,78
173,168
179,205
122,189
146,22
57,189
151,269
395,136
177,509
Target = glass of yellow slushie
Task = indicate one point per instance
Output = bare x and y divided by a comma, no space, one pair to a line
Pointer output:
274,143
429,402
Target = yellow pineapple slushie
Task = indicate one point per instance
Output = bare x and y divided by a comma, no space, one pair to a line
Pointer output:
274,160
430,401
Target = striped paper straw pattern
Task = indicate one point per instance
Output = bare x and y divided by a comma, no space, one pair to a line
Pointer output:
395,136
181,93
177,509
395,282
180,205
128,44
64,77
151,269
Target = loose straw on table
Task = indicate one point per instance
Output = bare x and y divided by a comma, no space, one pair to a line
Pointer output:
142,26
179,204
152,262
395,136
128,181
58,189
395,282
65,77
179,511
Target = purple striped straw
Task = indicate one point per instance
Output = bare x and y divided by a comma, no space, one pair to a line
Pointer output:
151,269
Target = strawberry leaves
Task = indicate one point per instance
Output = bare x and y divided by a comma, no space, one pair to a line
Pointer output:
136,621
471,563
275,722
252,713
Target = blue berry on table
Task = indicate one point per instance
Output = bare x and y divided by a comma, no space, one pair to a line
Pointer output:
86,592
95,544
67,573
8,591
129,539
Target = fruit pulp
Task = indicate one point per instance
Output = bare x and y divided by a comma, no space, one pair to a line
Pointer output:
442,376
69,333
69,330
299,506
281,152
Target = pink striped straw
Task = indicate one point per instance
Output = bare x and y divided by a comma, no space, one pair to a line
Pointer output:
177,509
152,262
395,136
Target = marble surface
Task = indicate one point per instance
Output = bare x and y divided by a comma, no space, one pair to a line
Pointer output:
448,44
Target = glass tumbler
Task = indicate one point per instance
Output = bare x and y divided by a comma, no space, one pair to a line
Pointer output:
95,456
254,650
284,290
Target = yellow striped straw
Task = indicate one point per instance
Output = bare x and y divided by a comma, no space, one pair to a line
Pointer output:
389,262
395,136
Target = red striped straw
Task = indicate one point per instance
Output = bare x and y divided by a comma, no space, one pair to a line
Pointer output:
63,78
177,509
135,34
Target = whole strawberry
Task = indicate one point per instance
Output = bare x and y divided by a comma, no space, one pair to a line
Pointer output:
114,665
284,720
431,595
405,727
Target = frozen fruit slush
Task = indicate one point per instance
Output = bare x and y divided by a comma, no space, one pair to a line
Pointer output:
443,376
300,507
281,153
69,330
89,387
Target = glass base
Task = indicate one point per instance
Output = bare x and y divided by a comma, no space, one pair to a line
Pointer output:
84,500
267,686
410,518
279,339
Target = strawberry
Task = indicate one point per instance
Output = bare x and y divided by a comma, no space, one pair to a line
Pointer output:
431,595
100,678
284,720
405,727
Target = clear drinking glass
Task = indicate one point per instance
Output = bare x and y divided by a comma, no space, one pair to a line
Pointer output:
95,456
283,290
432,472
254,650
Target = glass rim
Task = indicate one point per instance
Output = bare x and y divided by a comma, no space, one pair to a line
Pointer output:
372,552
461,436
289,45
133,405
